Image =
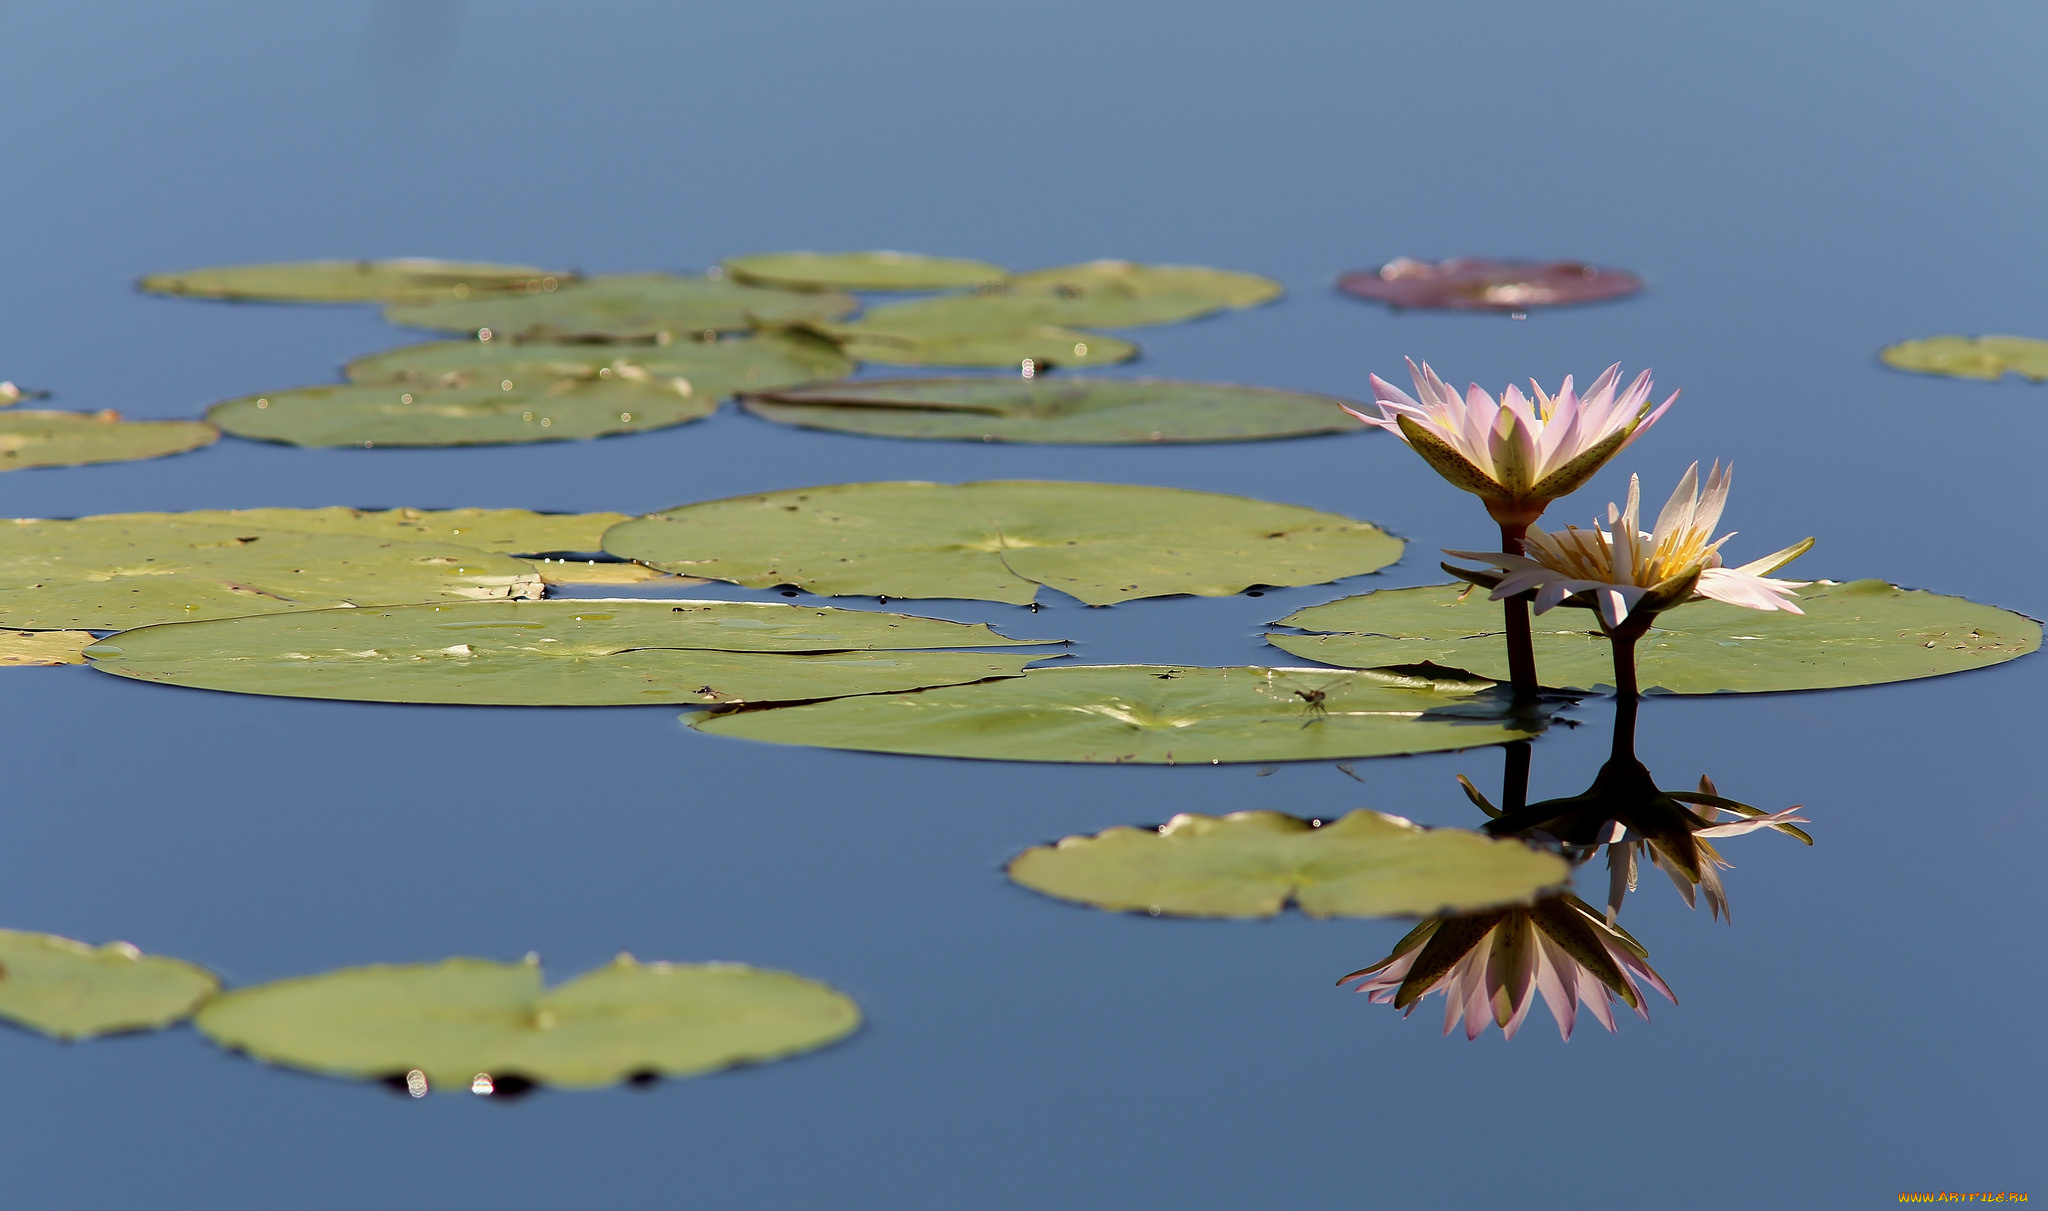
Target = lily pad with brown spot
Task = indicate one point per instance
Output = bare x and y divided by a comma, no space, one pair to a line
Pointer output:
412,279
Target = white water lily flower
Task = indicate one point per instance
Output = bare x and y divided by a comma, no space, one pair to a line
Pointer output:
1518,454
1627,571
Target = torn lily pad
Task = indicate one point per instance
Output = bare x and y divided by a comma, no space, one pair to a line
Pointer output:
1002,540
566,653
533,408
1863,632
408,278
1152,715
468,1025
32,438
115,572
625,307
44,647
714,369
1483,284
1097,411
1256,863
1979,357
69,990
862,271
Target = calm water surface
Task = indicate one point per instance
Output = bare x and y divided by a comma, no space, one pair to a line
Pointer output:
1800,183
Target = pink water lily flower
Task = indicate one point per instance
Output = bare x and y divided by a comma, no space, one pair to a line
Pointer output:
1517,454
1628,572
1492,967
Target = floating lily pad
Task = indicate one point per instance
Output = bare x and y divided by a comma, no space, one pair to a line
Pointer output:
505,531
412,279
112,573
1000,540
1151,715
43,647
861,271
530,409
714,369
1253,864
606,572
69,439
1043,345
564,653
1480,284
468,1024
1982,357
637,306
1102,411
1864,632
69,990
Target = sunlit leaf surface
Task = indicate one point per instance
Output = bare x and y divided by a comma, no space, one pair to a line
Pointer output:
43,647
1121,294
937,341
565,653
534,408
410,279
714,369
469,1024
1254,863
1150,715
861,271
1860,633
1102,411
1000,540
505,531
34,438
1480,284
118,571
1982,357
71,990
638,306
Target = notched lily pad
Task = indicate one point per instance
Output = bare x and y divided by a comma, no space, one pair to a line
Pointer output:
861,271
1864,632
69,990
626,307
1481,284
44,647
30,438
1255,863
406,278
565,653
1101,411
714,369
1000,540
1979,357
533,408
470,1024
119,571
1153,715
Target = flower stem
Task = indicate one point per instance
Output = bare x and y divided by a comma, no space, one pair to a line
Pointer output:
1514,778
1626,695
1521,648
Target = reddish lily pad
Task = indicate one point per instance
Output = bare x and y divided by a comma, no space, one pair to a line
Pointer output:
1480,284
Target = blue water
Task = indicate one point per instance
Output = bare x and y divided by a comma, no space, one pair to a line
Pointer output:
1800,185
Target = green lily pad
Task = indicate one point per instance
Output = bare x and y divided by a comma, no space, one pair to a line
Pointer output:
861,271
68,439
467,1024
564,653
114,572
1864,632
625,307
1150,715
1098,411
1100,294
43,647
69,990
1000,540
412,279
1253,864
714,369
504,531
1981,357
531,409
1043,345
